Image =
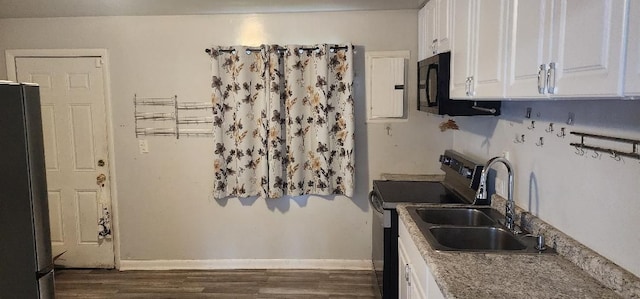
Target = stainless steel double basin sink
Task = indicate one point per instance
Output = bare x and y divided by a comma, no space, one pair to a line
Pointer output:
470,229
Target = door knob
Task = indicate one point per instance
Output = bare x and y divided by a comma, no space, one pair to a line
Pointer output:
101,163
101,179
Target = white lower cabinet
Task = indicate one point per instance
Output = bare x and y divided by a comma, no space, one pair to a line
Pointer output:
414,277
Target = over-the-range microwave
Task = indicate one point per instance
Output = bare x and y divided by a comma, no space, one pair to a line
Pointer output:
433,91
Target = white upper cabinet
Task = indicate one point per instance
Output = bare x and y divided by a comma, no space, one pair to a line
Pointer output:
530,49
460,49
566,48
443,26
632,77
434,34
479,43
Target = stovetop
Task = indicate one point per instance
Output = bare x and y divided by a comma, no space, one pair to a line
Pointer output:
395,192
459,186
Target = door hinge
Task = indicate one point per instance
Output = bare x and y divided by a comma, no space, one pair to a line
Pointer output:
99,62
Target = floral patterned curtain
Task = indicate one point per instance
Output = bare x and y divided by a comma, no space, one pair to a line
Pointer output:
240,101
283,121
319,120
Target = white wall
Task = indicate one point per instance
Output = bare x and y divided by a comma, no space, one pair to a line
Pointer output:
165,209
596,201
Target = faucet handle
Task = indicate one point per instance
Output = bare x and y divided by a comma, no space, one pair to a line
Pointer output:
540,245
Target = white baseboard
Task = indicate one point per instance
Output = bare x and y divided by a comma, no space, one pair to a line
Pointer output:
322,264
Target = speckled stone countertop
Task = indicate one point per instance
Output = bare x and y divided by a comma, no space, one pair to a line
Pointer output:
504,275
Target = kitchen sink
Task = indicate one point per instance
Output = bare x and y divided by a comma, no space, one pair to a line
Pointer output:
473,229
476,238
462,217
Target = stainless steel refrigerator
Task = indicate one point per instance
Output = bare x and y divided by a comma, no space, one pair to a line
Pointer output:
26,264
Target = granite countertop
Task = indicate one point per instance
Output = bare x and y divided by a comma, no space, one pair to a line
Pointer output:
504,275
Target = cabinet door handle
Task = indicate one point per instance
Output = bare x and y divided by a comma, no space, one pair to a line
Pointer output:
407,270
434,46
542,78
551,78
467,86
472,91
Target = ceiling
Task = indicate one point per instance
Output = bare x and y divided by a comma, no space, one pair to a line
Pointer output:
80,8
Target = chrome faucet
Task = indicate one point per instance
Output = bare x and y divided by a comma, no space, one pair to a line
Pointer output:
509,213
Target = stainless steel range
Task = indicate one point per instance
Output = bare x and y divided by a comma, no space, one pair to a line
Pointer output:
462,176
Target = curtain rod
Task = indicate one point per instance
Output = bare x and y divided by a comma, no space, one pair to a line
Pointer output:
332,49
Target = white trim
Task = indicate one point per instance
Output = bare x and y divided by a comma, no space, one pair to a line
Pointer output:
11,56
323,264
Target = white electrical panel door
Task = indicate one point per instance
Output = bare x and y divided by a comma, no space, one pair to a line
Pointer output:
387,87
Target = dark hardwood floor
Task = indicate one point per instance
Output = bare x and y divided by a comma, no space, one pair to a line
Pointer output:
215,284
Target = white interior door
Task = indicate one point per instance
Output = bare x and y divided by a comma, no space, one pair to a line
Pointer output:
76,154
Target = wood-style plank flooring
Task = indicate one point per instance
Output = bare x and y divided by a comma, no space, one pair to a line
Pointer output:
215,284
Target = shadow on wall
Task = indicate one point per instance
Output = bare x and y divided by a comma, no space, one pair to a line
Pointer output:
534,196
484,126
360,193
606,114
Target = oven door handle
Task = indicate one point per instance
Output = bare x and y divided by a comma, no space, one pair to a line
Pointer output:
376,203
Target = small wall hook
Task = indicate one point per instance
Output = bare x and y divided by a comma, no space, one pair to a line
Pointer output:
550,128
532,126
615,156
562,133
519,139
596,155
540,142
579,151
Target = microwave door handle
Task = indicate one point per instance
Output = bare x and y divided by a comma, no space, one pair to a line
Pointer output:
429,69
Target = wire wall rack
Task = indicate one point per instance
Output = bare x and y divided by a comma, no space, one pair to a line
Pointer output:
165,116
615,153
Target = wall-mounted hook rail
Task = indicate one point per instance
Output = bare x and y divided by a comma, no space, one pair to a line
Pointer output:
540,142
519,139
187,118
194,105
614,153
562,133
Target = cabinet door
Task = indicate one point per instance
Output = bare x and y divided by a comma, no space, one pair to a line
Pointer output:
416,290
632,77
529,31
460,48
422,34
587,47
432,18
443,26
403,272
490,26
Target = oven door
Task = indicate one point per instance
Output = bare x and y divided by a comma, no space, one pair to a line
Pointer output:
378,232
384,249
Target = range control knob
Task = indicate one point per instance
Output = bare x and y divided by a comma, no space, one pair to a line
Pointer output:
466,172
445,160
